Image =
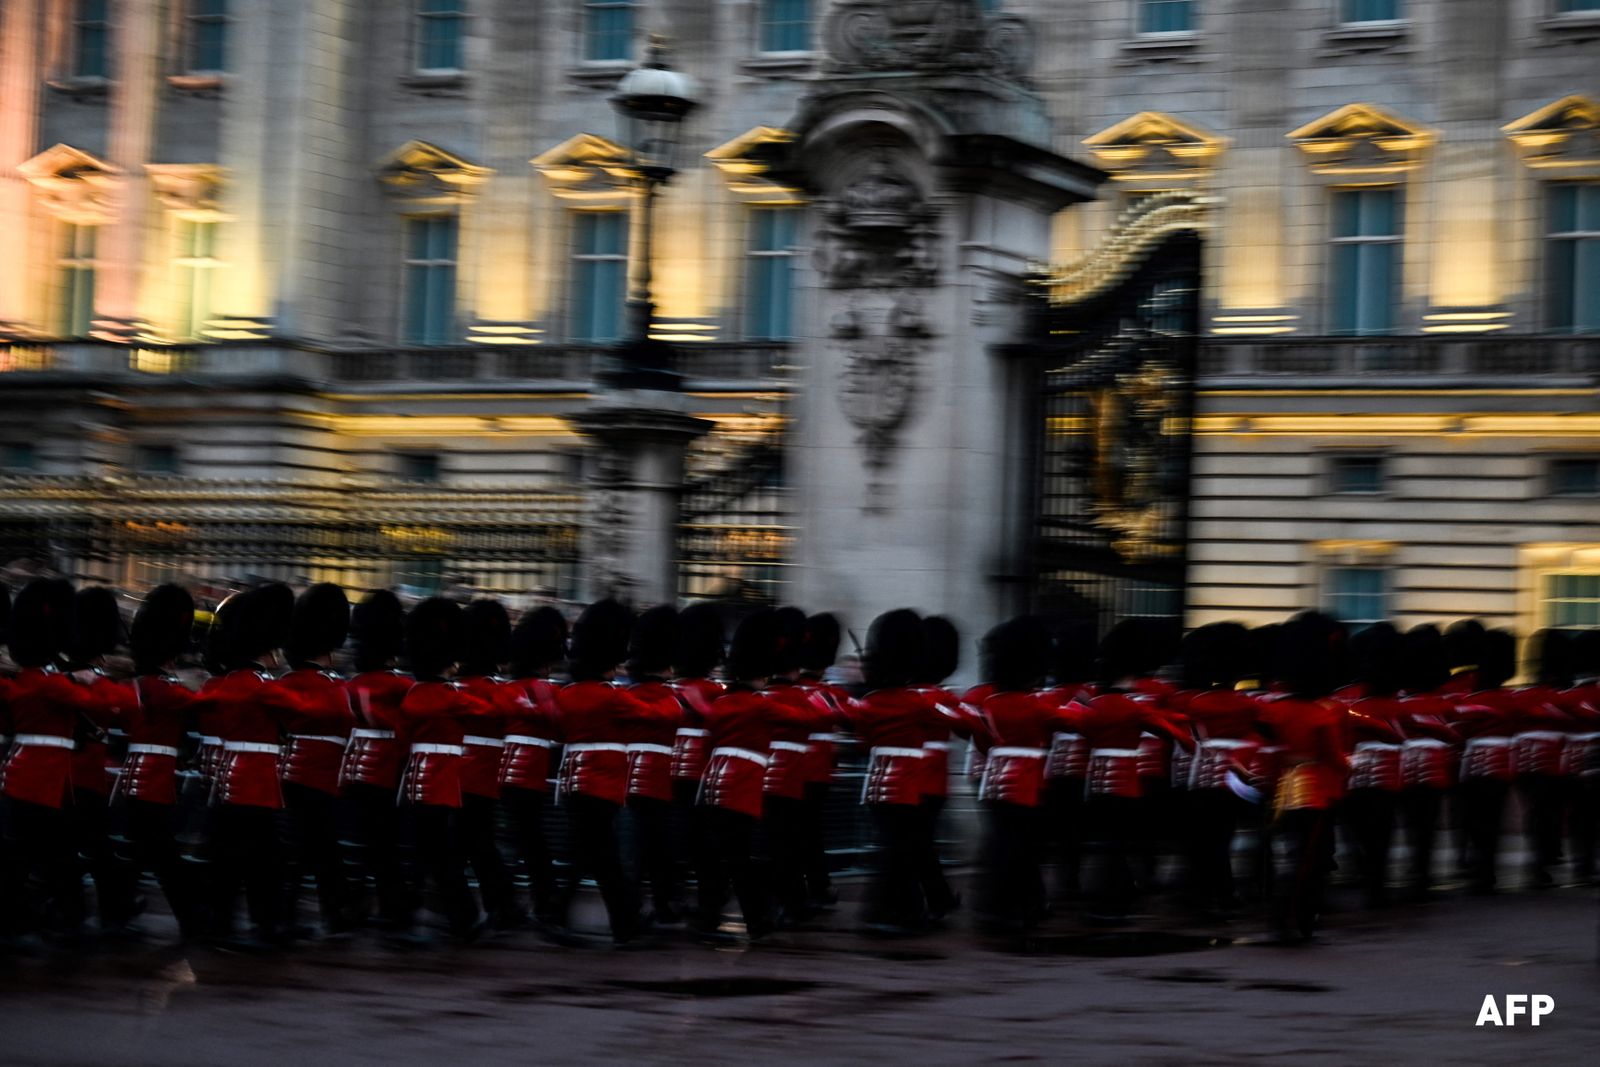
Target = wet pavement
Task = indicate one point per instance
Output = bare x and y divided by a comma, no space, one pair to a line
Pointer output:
1405,984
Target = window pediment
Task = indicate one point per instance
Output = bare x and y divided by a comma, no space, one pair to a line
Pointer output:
746,164
72,184
1153,144
1562,134
1362,139
188,190
587,167
425,174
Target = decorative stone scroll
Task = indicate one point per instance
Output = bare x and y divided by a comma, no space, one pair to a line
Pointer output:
943,36
882,349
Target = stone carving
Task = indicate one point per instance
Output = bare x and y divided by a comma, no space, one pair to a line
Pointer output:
879,382
610,525
866,36
877,233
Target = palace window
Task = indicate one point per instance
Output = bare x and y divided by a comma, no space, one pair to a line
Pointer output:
1573,257
91,39
430,280
19,456
599,276
1357,474
75,280
1357,596
769,284
1570,600
439,30
1575,476
1366,260
1370,10
208,36
608,29
785,25
155,459
417,466
195,266
1166,16
1566,7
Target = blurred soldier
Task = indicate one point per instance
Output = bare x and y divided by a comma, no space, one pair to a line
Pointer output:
157,723
47,709
538,650
1462,649
1066,769
96,633
941,655
788,768
1583,702
1372,790
1542,729
370,773
485,650
313,756
817,654
651,646
1431,752
699,651
893,721
1487,719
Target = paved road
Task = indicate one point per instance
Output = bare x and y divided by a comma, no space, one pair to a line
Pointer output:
1405,986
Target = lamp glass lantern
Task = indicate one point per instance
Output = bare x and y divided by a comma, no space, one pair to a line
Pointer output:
651,104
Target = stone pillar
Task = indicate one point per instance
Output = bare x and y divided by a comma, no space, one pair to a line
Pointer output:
132,128
635,482
20,78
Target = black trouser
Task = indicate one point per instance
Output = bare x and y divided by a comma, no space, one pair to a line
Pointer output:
689,828
383,853
1483,803
441,862
731,862
483,853
1013,846
1064,800
245,853
1420,804
930,871
785,825
1370,815
113,880
1585,823
896,896
1113,821
153,847
592,824
1542,793
652,847
813,843
1214,818
527,809
313,838
1307,834
1151,826
45,848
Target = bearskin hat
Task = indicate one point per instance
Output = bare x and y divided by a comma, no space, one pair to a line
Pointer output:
1310,652
822,643
1123,652
41,622
1586,654
320,622
894,649
653,642
1261,652
1197,657
538,642
1072,651
790,650
96,624
1463,644
753,652
1422,663
1375,655
941,650
1550,657
433,636
1498,663
700,639
1017,652
485,636
600,639
377,629
161,628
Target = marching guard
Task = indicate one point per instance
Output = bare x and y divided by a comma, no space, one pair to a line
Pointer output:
538,653
485,650
650,738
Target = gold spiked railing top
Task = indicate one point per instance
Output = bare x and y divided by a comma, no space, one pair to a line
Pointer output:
1139,228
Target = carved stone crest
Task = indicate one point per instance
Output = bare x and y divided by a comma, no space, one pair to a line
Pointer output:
877,233
610,524
882,351
865,36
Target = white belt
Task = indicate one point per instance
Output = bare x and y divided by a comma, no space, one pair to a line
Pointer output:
329,738
484,742
1424,742
1376,746
45,741
207,739
692,731
1541,735
740,753
371,735
529,739
829,738
1227,743
1017,752
1113,753
1488,742
936,746
642,746
596,746
790,746
428,748
152,750
251,746
895,752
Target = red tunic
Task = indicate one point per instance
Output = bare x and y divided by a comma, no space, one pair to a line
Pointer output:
250,711
530,738
1372,727
1431,751
1224,724
741,725
1310,733
432,722
317,742
595,717
789,757
894,724
91,761
45,705
156,727
1542,728
1018,729
1488,720
650,740
971,705
375,756
1113,724
486,741
689,748
822,744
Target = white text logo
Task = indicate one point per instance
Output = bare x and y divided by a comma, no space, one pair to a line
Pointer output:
1534,1007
